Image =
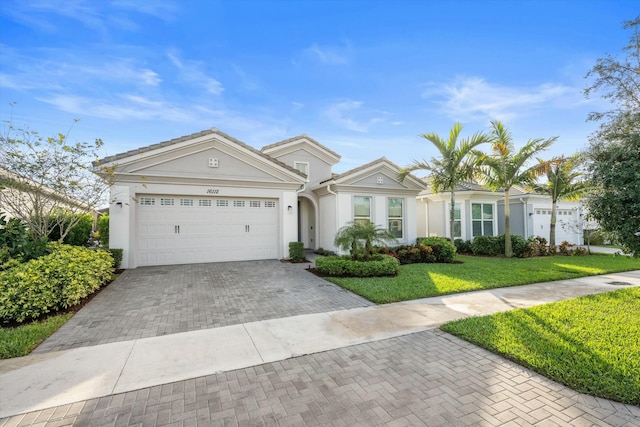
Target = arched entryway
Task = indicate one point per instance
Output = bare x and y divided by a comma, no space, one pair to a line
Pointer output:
307,222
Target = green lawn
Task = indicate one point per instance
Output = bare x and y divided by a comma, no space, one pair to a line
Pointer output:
591,344
476,273
19,341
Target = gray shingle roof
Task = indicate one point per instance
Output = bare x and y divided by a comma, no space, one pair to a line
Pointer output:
286,141
212,131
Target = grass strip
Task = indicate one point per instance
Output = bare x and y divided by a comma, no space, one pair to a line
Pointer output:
590,344
416,281
19,341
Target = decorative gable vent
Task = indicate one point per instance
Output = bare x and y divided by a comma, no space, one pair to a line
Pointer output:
380,180
213,162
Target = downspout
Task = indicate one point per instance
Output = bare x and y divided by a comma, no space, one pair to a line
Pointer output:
526,219
337,211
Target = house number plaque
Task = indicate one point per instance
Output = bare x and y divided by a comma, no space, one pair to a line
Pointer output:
212,191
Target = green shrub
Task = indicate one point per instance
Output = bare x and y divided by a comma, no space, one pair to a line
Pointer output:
378,265
494,245
464,247
117,257
487,245
296,251
78,234
52,282
443,249
103,230
17,243
518,245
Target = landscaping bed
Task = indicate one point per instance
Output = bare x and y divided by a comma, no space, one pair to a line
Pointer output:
416,281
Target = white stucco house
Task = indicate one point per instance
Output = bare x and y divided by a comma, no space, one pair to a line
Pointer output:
208,197
480,211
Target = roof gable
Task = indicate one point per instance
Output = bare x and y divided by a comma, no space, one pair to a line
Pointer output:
381,173
302,142
188,157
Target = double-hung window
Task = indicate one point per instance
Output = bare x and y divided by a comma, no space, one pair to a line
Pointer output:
457,222
361,209
482,219
394,214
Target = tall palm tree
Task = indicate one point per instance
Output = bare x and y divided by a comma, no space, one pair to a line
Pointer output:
457,163
357,236
506,167
563,182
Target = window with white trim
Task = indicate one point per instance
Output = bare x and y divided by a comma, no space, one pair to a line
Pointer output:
254,203
361,209
238,203
269,204
302,167
482,219
457,221
394,216
166,202
147,201
186,202
222,203
204,202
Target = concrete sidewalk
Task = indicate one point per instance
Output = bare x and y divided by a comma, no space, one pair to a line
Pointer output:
46,380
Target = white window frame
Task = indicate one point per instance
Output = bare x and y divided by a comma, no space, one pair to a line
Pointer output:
483,220
359,218
306,167
396,218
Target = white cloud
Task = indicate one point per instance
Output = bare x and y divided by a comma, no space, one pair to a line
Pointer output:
191,72
122,69
474,98
343,112
122,107
336,55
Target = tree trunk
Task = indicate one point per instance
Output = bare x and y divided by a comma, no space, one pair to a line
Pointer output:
552,225
452,216
508,251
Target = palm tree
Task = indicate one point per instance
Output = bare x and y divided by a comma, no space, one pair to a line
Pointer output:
361,235
458,163
505,167
563,182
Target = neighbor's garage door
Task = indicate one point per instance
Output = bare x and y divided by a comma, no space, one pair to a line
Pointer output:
185,230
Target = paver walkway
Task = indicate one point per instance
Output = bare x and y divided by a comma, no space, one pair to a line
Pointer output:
424,377
428,378
155,301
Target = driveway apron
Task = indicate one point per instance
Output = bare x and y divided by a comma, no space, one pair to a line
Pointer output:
154,301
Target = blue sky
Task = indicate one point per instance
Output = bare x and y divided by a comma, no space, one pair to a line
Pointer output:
364,78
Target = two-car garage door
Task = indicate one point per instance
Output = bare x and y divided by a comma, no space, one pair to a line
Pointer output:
185,230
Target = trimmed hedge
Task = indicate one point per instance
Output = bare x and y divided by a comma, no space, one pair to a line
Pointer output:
296,251
52,282
443,249
378,265
494,245
117,257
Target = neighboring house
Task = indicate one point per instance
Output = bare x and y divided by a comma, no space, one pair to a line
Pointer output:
208,197
480,211
18,196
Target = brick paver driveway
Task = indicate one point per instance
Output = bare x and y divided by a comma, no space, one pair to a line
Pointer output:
154,301
428,378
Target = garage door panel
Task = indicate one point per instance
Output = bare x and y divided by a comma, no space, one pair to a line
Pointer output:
209,231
